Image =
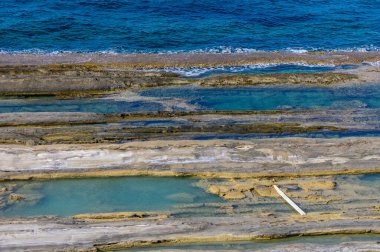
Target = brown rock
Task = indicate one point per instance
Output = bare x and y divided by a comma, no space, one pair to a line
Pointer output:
15,197
265,191
234,195
317,185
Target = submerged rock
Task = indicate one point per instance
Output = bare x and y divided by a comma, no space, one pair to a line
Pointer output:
234,195
15,197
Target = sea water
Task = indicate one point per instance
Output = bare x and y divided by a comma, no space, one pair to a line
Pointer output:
188,25
274,97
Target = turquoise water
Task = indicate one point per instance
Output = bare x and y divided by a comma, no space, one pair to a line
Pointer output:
274,97
188,25
317,134
240,98
66,197
253,245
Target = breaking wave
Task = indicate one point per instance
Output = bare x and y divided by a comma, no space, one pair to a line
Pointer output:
253,68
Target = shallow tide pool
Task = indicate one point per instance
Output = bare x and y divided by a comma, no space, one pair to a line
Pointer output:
65,197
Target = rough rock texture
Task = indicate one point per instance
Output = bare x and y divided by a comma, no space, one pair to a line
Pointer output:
57,234
361,118
68,81
213,158
81,81
316,79
69,127
89,74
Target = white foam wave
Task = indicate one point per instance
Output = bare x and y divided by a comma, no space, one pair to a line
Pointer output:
211,50
374,63
224,49
366,48
199,71
35,51
294,50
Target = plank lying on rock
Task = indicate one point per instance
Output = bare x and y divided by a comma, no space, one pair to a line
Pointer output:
289,201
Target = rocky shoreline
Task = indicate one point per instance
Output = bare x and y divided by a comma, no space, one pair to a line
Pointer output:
236,155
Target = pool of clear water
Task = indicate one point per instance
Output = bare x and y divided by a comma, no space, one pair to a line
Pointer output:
65,197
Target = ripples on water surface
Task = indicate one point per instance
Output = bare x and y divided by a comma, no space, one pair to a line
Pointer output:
275,97
185,25
240,98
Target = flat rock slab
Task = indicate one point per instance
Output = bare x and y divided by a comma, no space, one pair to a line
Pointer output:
28,118
55,234
213,158
359,119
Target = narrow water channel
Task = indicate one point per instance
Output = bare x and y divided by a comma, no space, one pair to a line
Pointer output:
274,97
198,98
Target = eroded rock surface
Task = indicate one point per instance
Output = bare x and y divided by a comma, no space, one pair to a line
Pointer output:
57,234
213,158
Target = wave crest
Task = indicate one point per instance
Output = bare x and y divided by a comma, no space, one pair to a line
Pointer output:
206,71
211,50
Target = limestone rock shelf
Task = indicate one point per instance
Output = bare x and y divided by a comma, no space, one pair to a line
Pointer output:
56,234
212,158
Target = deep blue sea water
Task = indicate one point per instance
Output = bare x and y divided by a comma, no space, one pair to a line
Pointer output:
188,25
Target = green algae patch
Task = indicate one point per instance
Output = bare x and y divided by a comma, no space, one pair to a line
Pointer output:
116,133
22,119
300,243
78,80
66,137
309,79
